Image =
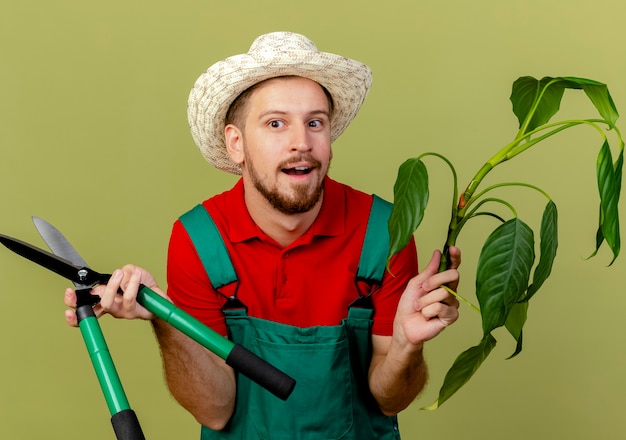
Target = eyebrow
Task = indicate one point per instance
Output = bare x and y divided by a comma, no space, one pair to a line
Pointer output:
282,112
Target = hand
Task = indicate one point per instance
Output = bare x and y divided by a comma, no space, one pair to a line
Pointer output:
120,306
426,308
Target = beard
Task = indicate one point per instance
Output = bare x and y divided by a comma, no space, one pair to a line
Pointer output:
302,198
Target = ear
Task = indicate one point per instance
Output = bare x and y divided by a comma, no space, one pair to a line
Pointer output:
234,143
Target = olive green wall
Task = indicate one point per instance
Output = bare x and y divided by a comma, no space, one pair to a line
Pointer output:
94,138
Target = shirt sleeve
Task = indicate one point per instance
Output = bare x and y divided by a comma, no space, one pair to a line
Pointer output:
188,284
402,267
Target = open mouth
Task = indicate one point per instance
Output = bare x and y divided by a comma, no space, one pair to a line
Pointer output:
297,171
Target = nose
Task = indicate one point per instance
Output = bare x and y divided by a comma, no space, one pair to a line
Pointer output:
300,138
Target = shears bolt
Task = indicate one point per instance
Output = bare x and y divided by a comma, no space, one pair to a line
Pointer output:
82,275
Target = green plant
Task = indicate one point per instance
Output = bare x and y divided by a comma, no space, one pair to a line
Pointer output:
503,278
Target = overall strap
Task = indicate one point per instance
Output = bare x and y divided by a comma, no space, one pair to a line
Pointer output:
373,261
218,266
376,244
209,245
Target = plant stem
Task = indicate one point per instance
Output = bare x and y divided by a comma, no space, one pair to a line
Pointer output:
463,300
508,152
500,185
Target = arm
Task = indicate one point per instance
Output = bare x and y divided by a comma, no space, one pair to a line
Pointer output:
199,380
398,372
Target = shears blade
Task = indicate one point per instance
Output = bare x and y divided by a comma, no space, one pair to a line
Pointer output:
50,261
81,276
57,242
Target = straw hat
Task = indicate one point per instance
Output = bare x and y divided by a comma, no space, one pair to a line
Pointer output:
271,55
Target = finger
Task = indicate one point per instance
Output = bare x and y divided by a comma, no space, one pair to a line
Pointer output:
70,318
130,290
433,264
108,295
444,313
70,297
415,284
452,301
455,257
436,296
135,277
448,277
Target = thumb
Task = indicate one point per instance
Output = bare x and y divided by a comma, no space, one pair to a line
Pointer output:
433,265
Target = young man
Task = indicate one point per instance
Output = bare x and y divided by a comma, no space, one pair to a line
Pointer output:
298,243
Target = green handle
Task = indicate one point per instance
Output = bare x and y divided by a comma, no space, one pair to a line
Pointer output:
184,322
101,359
123,418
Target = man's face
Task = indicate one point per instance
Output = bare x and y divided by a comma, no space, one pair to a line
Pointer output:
286,148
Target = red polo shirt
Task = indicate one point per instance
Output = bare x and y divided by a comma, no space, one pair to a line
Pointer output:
309,283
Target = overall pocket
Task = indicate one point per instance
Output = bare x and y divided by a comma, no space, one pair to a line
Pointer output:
320,406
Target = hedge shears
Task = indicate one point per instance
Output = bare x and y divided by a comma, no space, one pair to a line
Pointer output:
66,261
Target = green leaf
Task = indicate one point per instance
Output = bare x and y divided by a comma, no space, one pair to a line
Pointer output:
503,271
618,185
549,238
463,368
619,164
410,197
527,92
525,95
609,185
515,323
599,95
599,238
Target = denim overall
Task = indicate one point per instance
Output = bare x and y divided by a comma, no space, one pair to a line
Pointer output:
331,399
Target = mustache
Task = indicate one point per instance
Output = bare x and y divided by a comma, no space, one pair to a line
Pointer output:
299,159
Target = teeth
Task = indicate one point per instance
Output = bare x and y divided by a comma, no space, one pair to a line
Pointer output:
301,168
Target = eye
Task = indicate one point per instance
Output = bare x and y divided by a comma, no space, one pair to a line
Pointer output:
276,124
315,123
